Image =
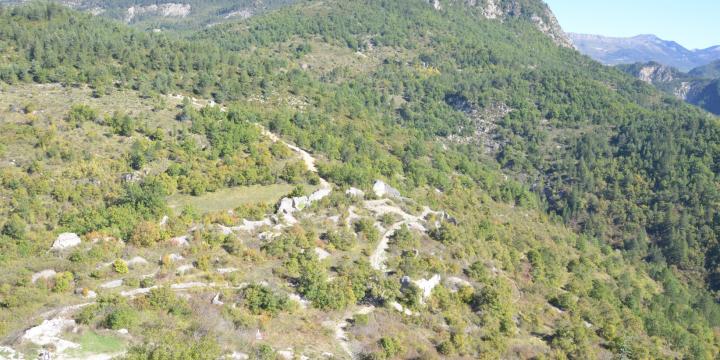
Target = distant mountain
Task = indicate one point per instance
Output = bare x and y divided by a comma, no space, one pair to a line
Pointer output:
700,86
642,49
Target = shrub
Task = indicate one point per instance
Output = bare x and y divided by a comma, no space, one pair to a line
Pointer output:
121,318
341,240
120,266
405,239
14,227
81,113
203,263
86,315
63,282
260,299
478,272
145,234
391,347
147,282
367,228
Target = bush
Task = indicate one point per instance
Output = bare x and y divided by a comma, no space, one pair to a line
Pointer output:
260,299
120,266
342,240
367,228
14,227
391,347
63,282
203,263
403,238
478,272
164,298
147,282
174,348
81,113
86,315
145,234
121,318
565,301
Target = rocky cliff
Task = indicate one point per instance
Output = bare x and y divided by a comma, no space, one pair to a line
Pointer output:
535,11
700,91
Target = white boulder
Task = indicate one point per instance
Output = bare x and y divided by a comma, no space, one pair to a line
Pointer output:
66,241
382,189
321,253
112,284
181,270
427,286
355,192
320,194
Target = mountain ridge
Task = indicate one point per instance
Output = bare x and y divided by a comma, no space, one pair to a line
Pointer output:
642,48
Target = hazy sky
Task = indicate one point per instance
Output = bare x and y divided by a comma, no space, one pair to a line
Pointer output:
692,23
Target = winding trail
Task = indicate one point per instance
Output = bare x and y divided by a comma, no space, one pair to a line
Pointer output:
382,207
341,334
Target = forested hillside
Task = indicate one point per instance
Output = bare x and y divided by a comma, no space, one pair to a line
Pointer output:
567,210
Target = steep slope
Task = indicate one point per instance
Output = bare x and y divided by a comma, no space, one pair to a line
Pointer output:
642,49
170,15
696,87
587,230
709,71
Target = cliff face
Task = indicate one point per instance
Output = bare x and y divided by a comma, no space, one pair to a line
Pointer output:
535,11
653,73
696,90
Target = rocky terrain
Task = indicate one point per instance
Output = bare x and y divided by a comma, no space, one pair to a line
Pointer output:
541,16
405,179
698,86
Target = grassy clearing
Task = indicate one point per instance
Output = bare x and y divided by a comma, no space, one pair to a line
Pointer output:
227,199
94,343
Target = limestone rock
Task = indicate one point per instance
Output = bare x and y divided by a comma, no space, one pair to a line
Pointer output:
66,241
382,189
180,241
427,286
216,300
355,192
319,195
321,253
112,284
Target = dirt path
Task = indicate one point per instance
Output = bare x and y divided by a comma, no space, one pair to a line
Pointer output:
382,207
341,334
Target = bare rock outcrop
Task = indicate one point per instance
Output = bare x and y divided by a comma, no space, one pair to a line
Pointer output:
66,241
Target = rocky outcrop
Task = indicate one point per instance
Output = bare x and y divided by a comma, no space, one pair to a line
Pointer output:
483,121
66,241
684,86
550,26
544,19
164,10
382,189
653,73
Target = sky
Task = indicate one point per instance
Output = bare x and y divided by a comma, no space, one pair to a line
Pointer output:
694,24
